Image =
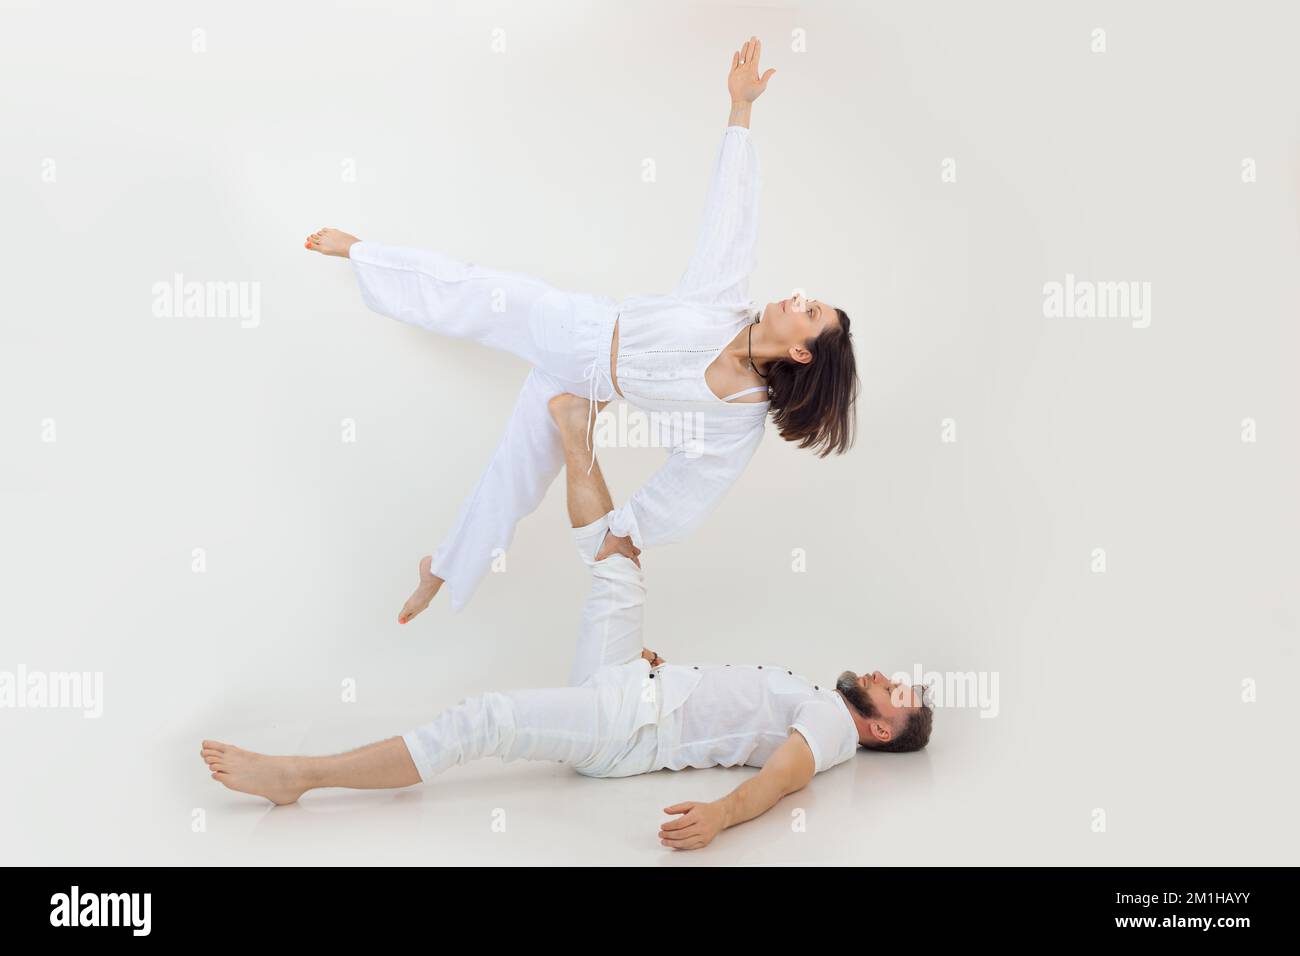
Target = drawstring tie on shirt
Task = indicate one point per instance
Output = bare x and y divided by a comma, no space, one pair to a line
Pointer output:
592,375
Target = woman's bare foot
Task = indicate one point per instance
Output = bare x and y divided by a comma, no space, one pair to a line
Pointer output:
331,242
279,779
423,594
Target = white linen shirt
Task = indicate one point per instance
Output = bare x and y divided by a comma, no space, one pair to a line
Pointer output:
727,715
666,344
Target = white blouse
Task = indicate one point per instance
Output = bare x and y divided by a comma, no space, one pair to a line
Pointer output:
666,344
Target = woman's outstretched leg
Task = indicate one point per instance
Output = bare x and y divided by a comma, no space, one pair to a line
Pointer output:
565,337
556,331
524,465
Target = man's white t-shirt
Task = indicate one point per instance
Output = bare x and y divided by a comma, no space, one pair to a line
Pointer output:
741,713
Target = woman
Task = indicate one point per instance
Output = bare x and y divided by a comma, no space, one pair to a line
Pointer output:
703,354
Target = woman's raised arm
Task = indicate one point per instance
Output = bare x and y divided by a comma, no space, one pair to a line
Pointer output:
718,272
743,82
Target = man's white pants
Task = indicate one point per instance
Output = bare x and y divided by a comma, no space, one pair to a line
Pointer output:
565,336
605,725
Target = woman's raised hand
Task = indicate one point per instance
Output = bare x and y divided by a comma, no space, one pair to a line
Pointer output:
743,82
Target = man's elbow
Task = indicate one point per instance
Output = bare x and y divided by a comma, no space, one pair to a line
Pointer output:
791,777
797,780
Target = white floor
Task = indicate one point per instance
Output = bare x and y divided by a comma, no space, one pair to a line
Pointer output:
969,799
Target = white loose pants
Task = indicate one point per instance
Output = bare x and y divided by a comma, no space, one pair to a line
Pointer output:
604,726
565,336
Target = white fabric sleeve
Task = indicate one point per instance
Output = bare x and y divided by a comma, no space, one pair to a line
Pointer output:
687,487
824,730
719,269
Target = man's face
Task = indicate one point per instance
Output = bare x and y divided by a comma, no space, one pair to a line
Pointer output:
879,699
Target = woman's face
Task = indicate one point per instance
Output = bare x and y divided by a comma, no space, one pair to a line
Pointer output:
796,321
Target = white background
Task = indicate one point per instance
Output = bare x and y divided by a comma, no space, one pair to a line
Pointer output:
1119,691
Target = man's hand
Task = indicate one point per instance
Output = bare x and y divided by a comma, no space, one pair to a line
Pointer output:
787,770
653,657
698,824
623,546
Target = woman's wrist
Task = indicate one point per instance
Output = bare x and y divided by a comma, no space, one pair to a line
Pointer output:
739,114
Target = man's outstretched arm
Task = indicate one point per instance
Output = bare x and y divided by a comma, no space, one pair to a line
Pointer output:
788,770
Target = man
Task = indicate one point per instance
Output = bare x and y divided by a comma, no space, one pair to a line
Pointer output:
626,711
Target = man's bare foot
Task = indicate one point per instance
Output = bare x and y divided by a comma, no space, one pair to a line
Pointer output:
423,594
331,242
279,779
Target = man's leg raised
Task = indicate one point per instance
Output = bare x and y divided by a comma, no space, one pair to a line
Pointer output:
610,632
586,492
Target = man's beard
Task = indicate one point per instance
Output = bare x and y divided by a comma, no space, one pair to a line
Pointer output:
847,684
